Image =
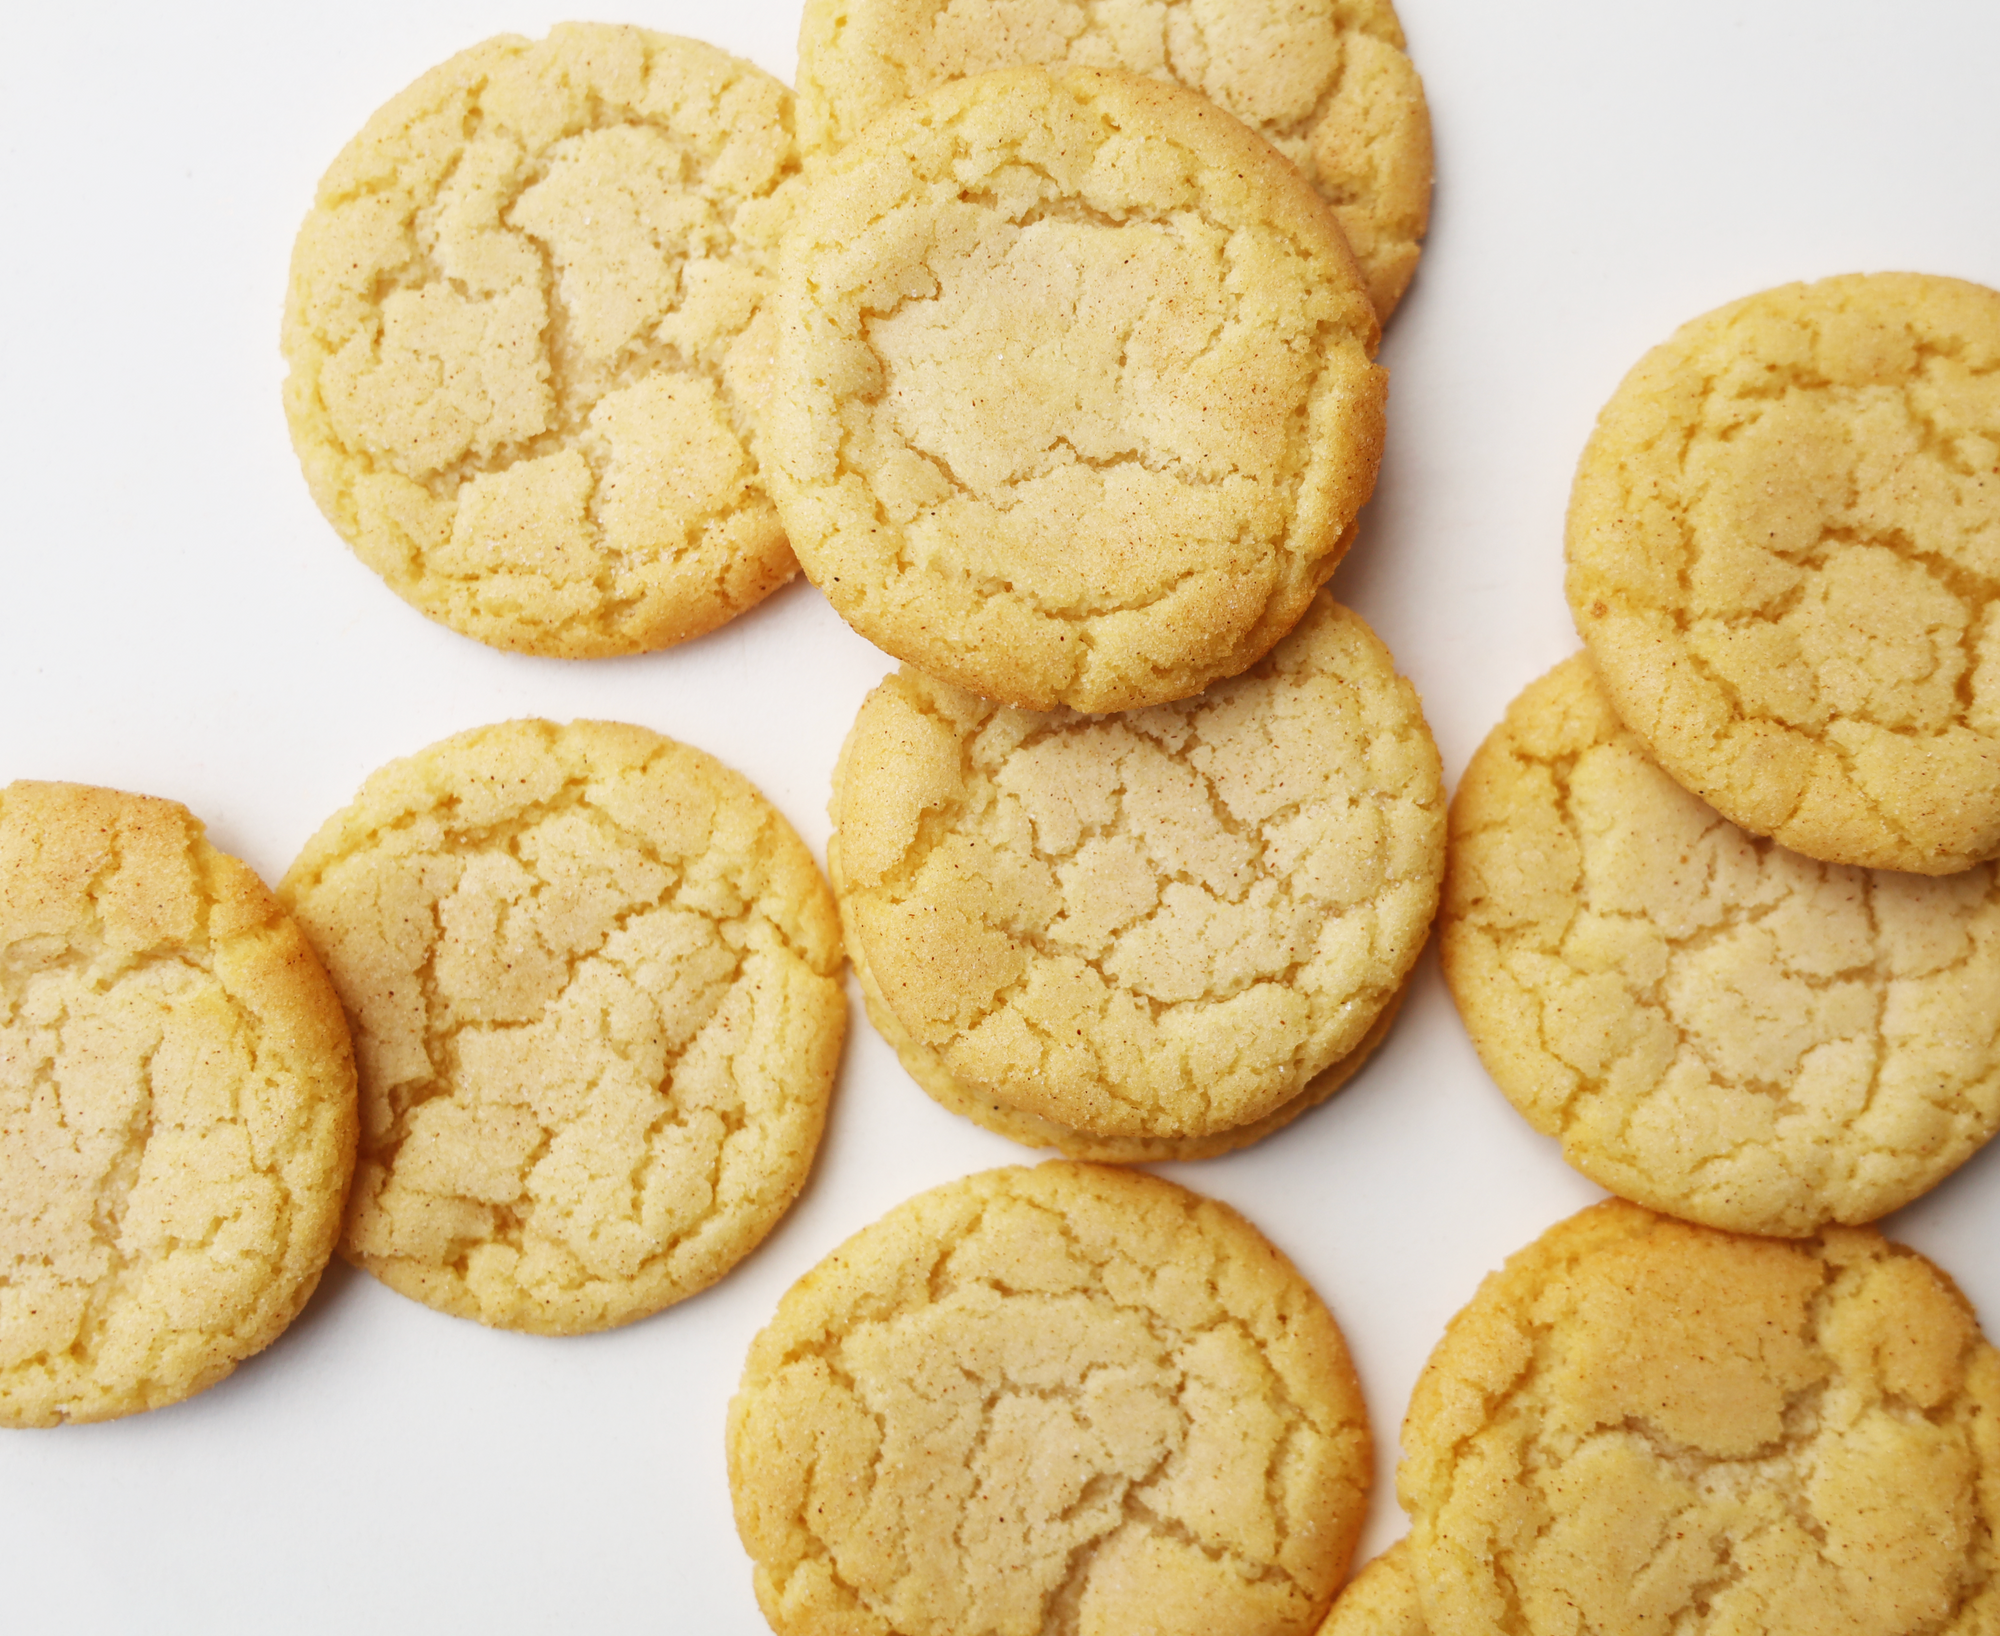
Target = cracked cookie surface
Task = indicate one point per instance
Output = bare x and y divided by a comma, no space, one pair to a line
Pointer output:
1713,1025
1640,1426
972,1102
526,340
1784,554
1155,928
1075,402
594,982
1328,83
1065,1400
1381,1600
177,1109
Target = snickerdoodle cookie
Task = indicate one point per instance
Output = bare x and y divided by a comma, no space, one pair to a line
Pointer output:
1147,936
1066,1398
1326,82
1713,1025
1784,554
1641,1427
593,977
176,1108
525,340
1075,402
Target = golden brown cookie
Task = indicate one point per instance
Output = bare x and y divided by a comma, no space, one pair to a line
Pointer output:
1784,554
1066,1398
176,1108
1381,1600
1714,1026
1326,82
525,344
594,980
1146,935
1074,396
1644,1427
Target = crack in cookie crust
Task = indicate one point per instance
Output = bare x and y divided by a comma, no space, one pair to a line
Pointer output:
1643,1426
1061,1400
593,977
1784,548
1711,1024
526,340
1327,83
1074,399
176,1108
1154,928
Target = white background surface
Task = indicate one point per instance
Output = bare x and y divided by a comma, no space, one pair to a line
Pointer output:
176,618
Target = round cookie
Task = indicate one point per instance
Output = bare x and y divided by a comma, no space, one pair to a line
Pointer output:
1327,83
1381,1600
1074,397
1714,1026
1065,1398
1784,554
1149,935
593,977
525,341
1641,1426
176,1108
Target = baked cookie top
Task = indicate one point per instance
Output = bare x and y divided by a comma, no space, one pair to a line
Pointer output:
1713,1025
984,1109
1162,925
594,981
176,1108
1641,1426
1074,396
525,347
1065,1398
1325,82
1784,554
1381,1600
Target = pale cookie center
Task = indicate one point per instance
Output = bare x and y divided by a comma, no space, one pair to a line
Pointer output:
1742,1001
1726,1438
1070,1450
549,365
1098,417
579,1094
1838,563
133,1195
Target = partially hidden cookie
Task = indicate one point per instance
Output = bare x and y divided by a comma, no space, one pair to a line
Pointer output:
1642,1426
1075,402
1328,83
1784,554
986,1110
1381,1600
176,1108
526,341
594,983
1065,1398
1155,935
1713,1026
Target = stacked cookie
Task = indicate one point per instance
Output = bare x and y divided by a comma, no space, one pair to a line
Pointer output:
1154,936
1717,914
1074,411
1720,917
